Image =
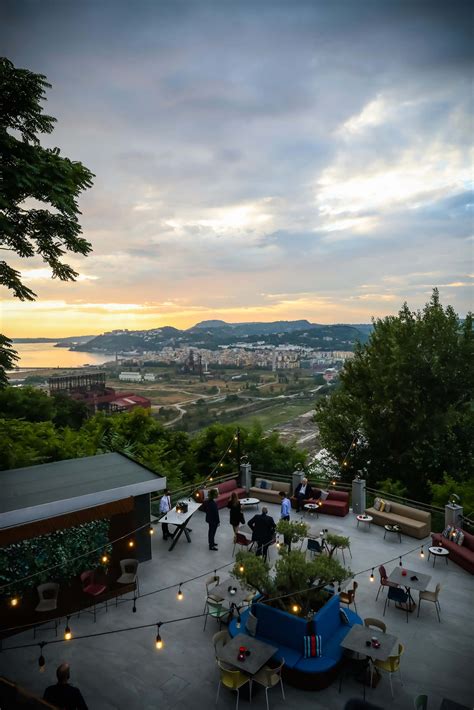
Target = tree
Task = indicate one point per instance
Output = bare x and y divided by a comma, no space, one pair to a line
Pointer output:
30,171
407,398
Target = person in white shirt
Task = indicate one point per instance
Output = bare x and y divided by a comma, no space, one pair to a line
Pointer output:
165,506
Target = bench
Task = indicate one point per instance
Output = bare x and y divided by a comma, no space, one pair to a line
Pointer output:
462,555
225,490
412,522
336,503
286,631
269,494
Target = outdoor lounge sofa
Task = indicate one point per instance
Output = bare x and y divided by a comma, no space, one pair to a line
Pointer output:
413,522
336,503
286,631
463,554
225,491
269,494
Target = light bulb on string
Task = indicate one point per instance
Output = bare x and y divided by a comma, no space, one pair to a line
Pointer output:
400,563
180,594
372,575
239,620
67,631
41,659
158,642
14,601
151,530
134,608
104,559
422,552
241,567
131,543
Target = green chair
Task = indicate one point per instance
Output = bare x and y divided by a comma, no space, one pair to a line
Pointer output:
421,702
216,610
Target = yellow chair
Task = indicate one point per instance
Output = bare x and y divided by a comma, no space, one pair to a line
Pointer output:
269,677
234,680
391,665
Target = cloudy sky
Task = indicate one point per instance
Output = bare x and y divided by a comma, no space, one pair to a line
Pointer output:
254,160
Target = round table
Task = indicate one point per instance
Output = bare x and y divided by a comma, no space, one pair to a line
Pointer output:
246,502
364,519
311,508
438,552
393,529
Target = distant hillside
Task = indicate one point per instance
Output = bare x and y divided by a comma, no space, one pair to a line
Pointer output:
212,334
71,338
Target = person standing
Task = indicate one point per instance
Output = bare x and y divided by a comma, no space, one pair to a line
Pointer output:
212,518
263,531
165,507
63,695
285,506
236,516
303,491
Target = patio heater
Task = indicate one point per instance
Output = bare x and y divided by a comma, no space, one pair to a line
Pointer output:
358,495
453,512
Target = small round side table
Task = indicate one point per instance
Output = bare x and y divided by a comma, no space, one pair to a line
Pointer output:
438,552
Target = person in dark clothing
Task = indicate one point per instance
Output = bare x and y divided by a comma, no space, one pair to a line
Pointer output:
263,531
212,518
236,516
303,491
63,695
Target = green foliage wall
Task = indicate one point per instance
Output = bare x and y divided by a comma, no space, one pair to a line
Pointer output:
30,557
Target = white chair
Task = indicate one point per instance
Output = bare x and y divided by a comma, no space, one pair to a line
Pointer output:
48,601
270,677
431,597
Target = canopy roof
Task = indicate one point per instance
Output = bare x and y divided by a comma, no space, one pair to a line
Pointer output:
51,489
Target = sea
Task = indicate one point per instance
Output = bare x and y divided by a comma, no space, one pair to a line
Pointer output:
39,355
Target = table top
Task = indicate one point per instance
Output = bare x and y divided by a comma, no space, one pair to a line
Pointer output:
221,591
421,583
311,506
447,704
249,501
438,551
260,653
393,528
174,518
356,640
365,518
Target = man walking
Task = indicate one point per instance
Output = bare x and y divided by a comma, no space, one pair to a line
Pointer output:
263,531
63,695
165,506
303,492
285,506
212,518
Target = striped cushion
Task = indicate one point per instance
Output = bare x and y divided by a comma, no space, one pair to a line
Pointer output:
312,646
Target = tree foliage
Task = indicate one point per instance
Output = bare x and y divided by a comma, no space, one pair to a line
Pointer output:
408,393
27,170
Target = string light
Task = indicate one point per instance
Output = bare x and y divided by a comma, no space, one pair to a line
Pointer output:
14,601
159,642
241,567
151,530
400,563
372,575
339,587
104,559
180,594
41,659
134,608
295,608
239,620
131,543
422,552
67,631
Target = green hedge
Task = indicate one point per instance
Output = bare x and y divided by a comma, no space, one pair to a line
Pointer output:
31,557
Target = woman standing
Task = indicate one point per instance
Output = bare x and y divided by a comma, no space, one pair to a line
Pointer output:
236,515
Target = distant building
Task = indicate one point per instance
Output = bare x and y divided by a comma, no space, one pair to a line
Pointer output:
130,376
91,390
149,377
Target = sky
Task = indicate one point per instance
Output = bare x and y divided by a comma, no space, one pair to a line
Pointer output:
253,161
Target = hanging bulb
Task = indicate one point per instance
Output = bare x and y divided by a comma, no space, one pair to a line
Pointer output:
221,464
210,478
134,609
67,631
104,559
372,575
295,608
131,543
422,554
151,530
158,642
238,622
235,438
41,659
241,567
14,601
180,594
338,588
400,563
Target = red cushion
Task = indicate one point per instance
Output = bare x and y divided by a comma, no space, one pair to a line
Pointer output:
227,486
338,495
95,589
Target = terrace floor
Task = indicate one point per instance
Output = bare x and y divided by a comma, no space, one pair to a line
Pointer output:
126,671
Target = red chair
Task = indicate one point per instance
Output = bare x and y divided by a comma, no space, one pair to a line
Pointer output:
91,587
244,541
384,580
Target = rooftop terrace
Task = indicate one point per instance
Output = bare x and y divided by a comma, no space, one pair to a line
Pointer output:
125,670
